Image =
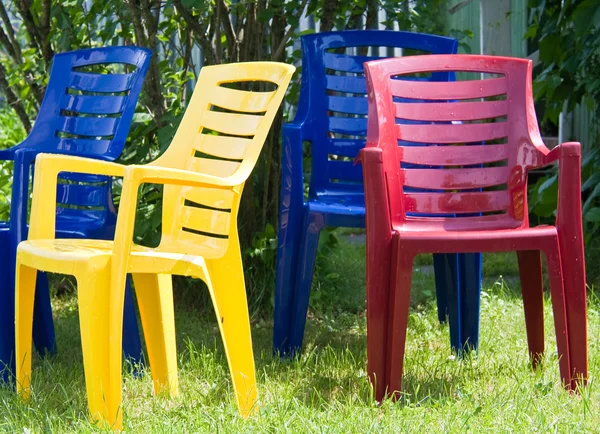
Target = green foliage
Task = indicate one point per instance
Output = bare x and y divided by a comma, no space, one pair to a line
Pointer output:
225,31
569,51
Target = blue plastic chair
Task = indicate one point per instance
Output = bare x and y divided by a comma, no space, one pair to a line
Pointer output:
332,81
83,113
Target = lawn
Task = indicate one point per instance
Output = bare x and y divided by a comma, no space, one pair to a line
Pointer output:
326,389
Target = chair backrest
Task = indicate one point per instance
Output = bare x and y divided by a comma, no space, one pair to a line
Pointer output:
492,146
333,101
221,134
87,111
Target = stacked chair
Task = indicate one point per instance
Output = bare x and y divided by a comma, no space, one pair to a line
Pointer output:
85,112
332,117
499,113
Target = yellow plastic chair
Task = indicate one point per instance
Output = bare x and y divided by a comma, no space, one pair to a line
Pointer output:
204,169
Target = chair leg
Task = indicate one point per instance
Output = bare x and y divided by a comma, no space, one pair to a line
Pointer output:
559,310
226,285
288,238
24,302
313,223
43,324
398,320
132,344
530,271
443,278
470,289
448,291
103,386
155,300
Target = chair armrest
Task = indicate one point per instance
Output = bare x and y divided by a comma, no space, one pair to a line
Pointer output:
47,168
376,194
166,175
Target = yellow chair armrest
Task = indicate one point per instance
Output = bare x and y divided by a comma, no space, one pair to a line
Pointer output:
47,167
166,175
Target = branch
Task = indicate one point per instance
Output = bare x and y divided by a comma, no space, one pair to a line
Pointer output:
32,30
199,32
136,19
45,31
232,41
9,30
13,101
328,13
277,54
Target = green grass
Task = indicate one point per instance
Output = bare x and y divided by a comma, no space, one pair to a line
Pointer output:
326,389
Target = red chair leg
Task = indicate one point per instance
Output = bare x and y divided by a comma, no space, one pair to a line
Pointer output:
557,292
530,271
398,320
378,295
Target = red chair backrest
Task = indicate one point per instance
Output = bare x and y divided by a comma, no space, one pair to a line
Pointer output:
490,121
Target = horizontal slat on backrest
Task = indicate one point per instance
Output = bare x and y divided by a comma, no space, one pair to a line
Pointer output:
344,62
453,155
90,82
94,104
214,167
346,84
222,146
240,100
348,104
344,170
81,195
213,197
350,126
449,133
456,203
211,247
451,179
448,90
206,220
231,123
87,146
458,111
345,147
88,126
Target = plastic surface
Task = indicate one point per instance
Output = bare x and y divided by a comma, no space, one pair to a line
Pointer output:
73,120
204,169
499,111
334,123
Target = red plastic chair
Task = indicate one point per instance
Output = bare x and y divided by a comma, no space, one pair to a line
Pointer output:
497,143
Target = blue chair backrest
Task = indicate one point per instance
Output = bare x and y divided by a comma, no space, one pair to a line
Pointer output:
87,111
333,100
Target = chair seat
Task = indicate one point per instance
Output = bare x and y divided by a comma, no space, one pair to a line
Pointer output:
97,254
458,224
467,241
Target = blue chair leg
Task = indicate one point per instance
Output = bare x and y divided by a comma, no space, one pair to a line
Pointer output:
43,326
447,278
132,344
313,223
470,288
7,312
440,272
288,240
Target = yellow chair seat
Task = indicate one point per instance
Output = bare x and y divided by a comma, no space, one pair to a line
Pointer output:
59,256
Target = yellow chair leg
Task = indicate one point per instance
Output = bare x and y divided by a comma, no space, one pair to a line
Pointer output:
24,298
155,299
228,291
104,398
